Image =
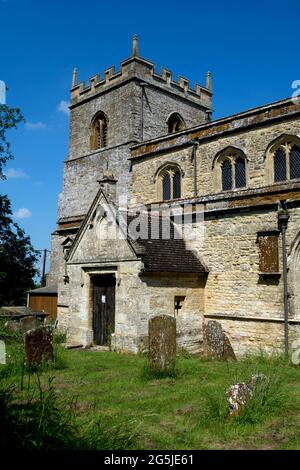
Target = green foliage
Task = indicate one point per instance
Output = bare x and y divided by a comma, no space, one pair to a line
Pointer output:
269,399
117,406
39,422
17,258
101,434
59,338
148,374
9,119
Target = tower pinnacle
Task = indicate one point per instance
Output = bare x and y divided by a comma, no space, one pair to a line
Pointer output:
135,46
209,81
75,77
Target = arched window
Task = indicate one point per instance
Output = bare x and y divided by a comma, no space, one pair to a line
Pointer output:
226,175
286,159
99,132
169,181
295,162
175,123
240,172
279,165
166,186
231,169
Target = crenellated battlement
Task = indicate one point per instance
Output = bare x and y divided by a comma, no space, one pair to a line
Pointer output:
141,70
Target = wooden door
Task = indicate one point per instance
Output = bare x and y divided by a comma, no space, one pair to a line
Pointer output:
103,308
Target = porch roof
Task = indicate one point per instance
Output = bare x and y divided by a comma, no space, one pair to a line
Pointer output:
162,247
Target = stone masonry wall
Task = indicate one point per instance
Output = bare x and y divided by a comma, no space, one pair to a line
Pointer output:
159,105
253,143
137,299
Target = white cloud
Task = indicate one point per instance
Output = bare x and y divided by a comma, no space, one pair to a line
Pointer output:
63,107
22,213
35,125
15,173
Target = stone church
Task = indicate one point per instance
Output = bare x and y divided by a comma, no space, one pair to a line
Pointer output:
166,211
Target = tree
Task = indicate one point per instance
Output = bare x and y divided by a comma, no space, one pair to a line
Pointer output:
17,258
9,119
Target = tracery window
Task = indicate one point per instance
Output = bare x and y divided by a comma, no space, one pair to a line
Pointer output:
232,166
286,160
99,132
175,123
169,181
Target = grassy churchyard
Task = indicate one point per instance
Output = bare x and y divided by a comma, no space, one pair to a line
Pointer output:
105,400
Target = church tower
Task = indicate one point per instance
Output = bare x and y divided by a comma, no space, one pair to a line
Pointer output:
108,115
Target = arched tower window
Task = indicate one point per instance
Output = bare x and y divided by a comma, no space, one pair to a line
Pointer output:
231,169
175,123
169,183
285,154
99,131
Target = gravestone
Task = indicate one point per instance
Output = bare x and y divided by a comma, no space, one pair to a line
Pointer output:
162,343
38,345
2,352
239,394
12,326
28,323
215,343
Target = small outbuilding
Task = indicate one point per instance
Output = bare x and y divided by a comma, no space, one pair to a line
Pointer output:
44,299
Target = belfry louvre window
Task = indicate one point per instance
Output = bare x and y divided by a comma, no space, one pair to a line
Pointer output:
268,252
175,123
286,159
233,172
99,132
170,183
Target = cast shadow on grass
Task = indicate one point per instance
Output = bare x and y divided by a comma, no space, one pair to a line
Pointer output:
40,419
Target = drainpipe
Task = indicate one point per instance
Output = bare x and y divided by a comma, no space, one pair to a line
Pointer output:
142,84
194,143
283,218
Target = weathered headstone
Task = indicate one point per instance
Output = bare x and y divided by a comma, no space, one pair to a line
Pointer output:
239,394
162,343
215,343
2,352
12,326
38,345
28,323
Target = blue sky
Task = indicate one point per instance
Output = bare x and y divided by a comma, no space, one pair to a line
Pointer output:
252,49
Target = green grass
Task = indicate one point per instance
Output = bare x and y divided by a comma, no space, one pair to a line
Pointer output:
114,403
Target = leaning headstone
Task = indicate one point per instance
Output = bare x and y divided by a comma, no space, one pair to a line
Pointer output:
216,344
28,323
239,394
162,343
38,345
2,352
